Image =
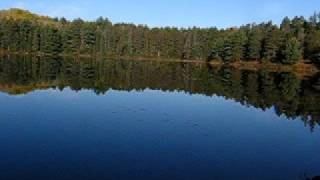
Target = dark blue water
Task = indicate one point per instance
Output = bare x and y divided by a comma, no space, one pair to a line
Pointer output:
150,134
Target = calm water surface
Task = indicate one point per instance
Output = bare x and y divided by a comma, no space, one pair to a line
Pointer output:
91,119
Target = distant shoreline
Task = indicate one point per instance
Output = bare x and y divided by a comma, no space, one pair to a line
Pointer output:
302,68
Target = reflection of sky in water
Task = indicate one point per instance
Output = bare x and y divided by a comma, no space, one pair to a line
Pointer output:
149,134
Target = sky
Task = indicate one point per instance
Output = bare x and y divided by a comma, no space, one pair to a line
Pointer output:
178,13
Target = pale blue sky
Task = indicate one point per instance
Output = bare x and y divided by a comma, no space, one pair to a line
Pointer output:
181,13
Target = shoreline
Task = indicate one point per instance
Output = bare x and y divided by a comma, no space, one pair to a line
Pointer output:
301,69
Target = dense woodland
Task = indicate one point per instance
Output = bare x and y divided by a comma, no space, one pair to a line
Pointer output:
294,40
285,92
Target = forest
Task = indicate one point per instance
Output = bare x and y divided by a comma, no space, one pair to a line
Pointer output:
294,40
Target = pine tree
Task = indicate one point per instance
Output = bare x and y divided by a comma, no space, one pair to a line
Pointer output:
53,43
286,25
255,44
25,36
227,54
89,39
312,46
298,28
238,41
271,44
217,50
292,52
36,40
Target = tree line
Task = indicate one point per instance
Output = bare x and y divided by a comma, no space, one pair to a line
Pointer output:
294,40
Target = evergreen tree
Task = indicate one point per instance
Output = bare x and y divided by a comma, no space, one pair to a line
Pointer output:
36,40
238,41
217,50
227,54
89,39
271,44
298,28
312,46
53,43
292,52
286,25
255,44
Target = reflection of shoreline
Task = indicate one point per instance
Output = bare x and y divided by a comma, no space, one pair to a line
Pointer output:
301,69
289,94
24,89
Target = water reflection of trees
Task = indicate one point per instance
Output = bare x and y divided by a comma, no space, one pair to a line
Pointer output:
285,92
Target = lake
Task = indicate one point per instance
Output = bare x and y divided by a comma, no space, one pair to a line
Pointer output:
119,119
